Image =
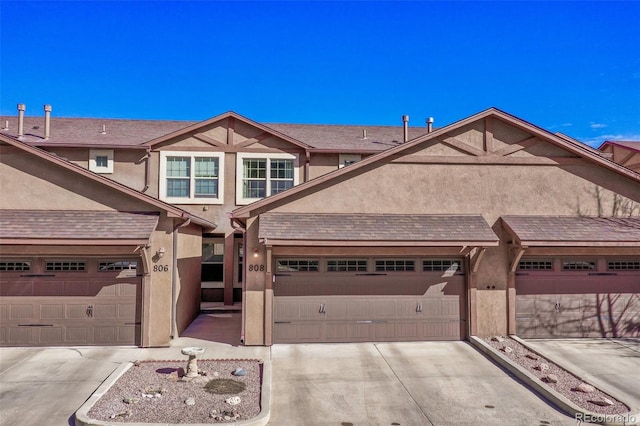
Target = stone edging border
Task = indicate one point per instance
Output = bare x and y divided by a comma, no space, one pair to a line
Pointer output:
83,419
554,397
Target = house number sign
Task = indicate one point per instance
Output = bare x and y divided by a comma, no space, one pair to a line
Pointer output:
160,268
256,268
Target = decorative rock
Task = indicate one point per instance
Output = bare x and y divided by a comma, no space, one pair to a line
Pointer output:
136,363
497,339
173,377
532,356
551,378
130,400
127,413
584,388
216,374
239,372
234,400
542,367
227,418
507,349
190,401
602,402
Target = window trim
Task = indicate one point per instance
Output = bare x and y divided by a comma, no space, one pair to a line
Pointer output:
192,199
240,157
93,165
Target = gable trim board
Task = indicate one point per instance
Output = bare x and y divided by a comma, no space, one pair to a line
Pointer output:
231,116
162,241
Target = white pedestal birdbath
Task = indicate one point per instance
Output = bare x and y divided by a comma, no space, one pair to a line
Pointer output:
192,366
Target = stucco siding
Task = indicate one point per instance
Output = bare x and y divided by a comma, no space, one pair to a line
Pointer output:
189,271
29,182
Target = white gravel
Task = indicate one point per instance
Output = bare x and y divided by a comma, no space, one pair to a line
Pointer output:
567,382
170,407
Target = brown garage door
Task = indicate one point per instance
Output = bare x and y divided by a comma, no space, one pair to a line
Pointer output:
368,299
578,297
66,302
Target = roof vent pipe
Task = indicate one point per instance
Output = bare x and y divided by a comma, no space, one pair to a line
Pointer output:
364,133
429,122
47,121
405,122
21,108
104,129
6,125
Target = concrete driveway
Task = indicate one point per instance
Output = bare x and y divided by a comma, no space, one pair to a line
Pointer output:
426,383
613,363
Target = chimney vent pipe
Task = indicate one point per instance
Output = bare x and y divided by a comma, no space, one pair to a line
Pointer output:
429,122
21,108
47,121
405,122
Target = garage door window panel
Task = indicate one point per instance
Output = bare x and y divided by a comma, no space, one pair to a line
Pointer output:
623,265
536,265
347,265
66,266
119,265
450,266
298,265
578,265
14,266
395,265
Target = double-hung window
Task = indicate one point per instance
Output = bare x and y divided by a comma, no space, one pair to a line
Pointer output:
261,175
191,178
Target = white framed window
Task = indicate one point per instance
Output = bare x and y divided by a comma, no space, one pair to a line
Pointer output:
101,160
261,175
348,159
191,177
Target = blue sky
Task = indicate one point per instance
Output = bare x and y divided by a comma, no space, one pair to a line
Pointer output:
572,67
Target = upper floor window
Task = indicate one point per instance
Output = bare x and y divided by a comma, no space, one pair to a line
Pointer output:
191,177
348,159
264,175
101,160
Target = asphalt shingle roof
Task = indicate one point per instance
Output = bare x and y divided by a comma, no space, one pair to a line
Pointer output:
88,131
574,229
133,133
374,227
73,224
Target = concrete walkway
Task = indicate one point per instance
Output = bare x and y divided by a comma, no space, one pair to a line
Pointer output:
426,383
613,363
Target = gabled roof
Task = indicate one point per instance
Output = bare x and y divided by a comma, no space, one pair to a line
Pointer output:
375,229
630,145
230,114
137,134
76,227
172,211
576,148
548,231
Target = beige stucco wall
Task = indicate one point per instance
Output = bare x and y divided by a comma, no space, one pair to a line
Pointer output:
29,182
188,285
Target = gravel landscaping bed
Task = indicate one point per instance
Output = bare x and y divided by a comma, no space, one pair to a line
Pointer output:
560,380
159,392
